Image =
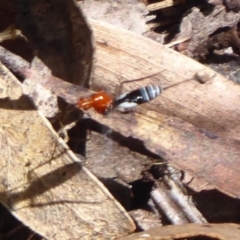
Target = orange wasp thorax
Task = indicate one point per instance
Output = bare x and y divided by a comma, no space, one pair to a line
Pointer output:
100,101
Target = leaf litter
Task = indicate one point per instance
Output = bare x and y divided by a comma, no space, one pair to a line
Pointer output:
217,131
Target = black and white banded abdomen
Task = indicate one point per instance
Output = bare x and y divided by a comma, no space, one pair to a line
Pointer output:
142,95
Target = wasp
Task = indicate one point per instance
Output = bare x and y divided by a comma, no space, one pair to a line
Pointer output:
103,102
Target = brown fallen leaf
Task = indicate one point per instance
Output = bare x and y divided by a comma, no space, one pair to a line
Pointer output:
43,183
216,231
60,36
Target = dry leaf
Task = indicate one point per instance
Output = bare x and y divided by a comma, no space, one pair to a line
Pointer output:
216,231
42,182
60,36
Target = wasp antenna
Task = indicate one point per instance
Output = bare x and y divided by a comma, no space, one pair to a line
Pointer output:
140,79
136,80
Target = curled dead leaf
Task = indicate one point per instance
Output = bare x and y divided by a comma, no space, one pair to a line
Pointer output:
43,183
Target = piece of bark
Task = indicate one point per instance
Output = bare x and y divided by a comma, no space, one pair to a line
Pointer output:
44,100
145,220
40,74
177,207
198,27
